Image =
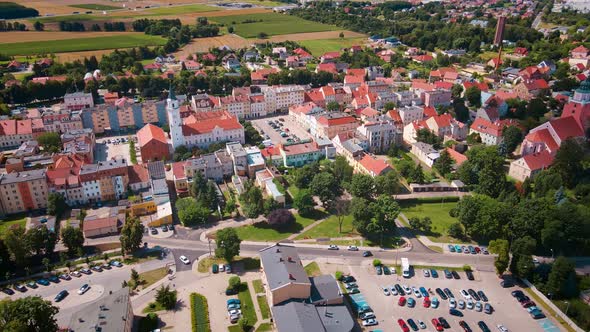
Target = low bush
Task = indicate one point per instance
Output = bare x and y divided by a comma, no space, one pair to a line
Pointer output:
376,262
199,313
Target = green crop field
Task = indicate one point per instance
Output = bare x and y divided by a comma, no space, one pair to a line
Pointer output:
125,40
249,26
95,6
320,46
65,18
163,11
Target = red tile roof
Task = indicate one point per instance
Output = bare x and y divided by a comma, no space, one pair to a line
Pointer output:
138,173
443,85
329,67
205,122
356,72
459,158
536,84
369,112
178,169
537,161
580,49
296,149
543,136
484,126
505,94
373,165
567,127
150,132
331,55
94,224
481,85
344,120
16,127
429,111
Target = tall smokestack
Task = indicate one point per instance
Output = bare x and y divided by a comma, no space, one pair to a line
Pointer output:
499,30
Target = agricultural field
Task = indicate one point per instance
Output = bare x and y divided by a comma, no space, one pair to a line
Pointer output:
199,45
95,6
116,40
320,46
168,10
249,26
29,36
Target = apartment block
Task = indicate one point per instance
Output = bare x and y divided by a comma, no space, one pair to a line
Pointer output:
23,191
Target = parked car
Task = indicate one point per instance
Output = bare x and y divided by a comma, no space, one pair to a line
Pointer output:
449,293
426,303
469,275
171,227
458,249
421,324
411,302
76,274
469,304
407,289
153,231
465,294
386,270
164,228
386,291
7,291
455,312
465,327
370,322
452,303
482,296
403,325
354,291
517,293
402,301
353,248
507,283
424,292
21,288
215,268
501,328
367,253
53,279
393,291
461,304
451,248
444,322
233,301
488,309
367,315
473,294
455,275
434,273
399,289
437,325
106,266
416,292
233,306
221,268
32,284
348,279
65,276
83,289
43,282
426,273
441,294
478,306
351,285
482,325
333,247
227,268
379,270
96,268
412,324
448,274
61,295
434,302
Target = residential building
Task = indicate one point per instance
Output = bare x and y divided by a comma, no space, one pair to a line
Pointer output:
213,166
530,165
282,97
112,313
264,179
14,133
204,128
438,97
328,125
78,100
489,132
296,155
380,134
372,166
80,142
425,153
23,191
529,89
410,114
550,135
579,55
152,143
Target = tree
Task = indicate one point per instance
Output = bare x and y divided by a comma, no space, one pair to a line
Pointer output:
30,313
166,297
456,230
512,137
362,185
325,186
134,278
47,263
341,35
72,238
444,163
18,249
131,235
50,142
568,162
228,244
304,175
342,169
424,135
303,202
522,249
332,106
280,218
234,283
230,30
341,210
417,175
270,205
41,240
387,184
561,282
415,222
190,212
473,96
545,182
501,248
361,214
56,204
252,201
244,324
38,26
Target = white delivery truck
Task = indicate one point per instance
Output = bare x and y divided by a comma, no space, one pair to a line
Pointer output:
405,267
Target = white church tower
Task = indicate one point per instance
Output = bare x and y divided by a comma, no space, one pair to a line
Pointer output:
174,120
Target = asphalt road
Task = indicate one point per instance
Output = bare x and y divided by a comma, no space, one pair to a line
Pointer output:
191,254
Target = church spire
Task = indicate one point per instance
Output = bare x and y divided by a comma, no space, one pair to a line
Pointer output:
171,94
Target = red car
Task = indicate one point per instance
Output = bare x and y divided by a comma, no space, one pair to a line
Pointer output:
437,325
477,250
403,325
402,301
426,302
528,304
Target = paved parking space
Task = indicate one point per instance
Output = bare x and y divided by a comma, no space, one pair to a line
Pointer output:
105,151
507,311
288,126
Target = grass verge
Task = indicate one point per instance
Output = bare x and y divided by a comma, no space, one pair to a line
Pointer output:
548,309
264,327
249,263
263,304
258,288
148,278
436,248
9,221
320,46
262,232
199,313
248,309
312,269
153,307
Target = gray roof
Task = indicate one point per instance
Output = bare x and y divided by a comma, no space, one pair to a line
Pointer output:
282,266
324,288
15,177
156,170
109,313
302,317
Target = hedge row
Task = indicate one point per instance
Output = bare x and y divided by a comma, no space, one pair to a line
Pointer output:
199,313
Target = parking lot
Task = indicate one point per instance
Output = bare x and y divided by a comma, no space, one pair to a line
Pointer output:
289,127
506,310
108,147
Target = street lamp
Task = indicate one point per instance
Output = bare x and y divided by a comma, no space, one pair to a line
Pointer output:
567,308
551,253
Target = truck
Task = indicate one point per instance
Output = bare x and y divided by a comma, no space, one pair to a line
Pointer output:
405,267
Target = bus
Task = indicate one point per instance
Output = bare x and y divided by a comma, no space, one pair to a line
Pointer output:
405,267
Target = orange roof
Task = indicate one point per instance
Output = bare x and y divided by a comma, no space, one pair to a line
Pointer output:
484,126
429,111
543,136
343,120
138,173
373,165
458,157
540,160
94,224
580,49
150,132
369,112
16,127
480,85
329,67
205,122
178,169
353,79
356,72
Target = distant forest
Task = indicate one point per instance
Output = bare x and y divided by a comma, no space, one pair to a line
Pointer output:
10,10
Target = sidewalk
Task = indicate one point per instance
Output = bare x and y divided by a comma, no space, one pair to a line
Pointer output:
305,229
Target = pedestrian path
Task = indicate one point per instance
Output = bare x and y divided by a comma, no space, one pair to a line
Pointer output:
305,229
254,295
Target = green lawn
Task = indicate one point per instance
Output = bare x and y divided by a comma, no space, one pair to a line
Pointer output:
264,327
248,309
271,24
329,229
95,6
321,46
148,278
438,213
65,18
312,269
15,219
257,284
263,304
262,232
82,44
